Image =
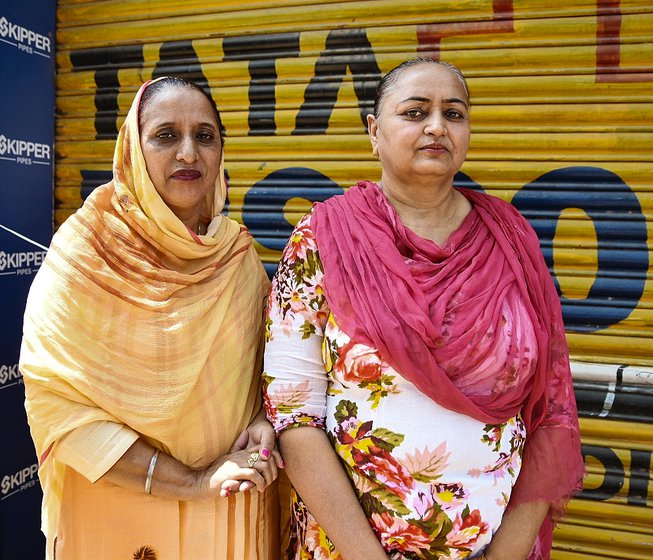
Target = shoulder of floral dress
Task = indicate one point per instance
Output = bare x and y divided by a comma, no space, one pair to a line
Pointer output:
305,221
303,233
301,248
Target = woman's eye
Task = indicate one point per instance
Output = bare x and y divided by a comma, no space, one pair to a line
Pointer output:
165,135
205,136
455,115
414,113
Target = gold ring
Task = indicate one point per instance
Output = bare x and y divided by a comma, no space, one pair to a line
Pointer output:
252,459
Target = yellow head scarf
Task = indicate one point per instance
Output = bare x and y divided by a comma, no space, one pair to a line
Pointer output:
133,321
137,194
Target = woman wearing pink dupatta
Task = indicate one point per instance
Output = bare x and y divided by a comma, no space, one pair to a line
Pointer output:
416,338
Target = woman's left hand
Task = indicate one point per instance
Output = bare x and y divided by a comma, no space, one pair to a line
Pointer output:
259,436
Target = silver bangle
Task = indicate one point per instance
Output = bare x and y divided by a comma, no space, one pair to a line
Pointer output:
150,473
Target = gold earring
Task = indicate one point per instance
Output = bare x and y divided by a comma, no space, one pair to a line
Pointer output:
375,154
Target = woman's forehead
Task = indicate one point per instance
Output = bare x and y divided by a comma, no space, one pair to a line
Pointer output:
174,92
429,81
177,100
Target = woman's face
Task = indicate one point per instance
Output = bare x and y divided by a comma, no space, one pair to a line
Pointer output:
181,144
423,128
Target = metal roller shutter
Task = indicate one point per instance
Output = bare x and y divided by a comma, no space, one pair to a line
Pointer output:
562,128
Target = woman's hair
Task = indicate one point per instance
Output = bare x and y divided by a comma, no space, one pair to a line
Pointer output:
390,79
177,82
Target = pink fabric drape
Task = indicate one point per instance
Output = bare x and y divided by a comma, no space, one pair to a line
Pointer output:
424,306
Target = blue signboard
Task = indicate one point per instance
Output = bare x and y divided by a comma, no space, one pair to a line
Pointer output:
26,185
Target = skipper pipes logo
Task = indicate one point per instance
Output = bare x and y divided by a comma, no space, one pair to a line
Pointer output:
22,263
19,481
24,152
25,39
10,376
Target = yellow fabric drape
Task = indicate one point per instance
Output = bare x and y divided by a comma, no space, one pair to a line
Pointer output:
131,321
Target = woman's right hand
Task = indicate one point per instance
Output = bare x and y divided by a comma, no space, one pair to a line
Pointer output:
173,480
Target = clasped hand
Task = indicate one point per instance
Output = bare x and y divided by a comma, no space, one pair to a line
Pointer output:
252,462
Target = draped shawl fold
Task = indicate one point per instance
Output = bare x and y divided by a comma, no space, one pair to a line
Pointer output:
400,293
135,320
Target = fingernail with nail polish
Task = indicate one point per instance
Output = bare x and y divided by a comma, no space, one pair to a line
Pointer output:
265,453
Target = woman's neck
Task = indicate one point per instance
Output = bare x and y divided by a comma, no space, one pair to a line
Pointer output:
195,224
432,212
192,219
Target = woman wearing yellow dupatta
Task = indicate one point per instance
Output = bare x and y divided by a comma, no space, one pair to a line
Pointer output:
141,354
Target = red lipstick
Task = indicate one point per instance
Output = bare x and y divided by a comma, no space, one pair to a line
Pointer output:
186,174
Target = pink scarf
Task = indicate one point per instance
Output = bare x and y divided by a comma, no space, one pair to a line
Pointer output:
419,304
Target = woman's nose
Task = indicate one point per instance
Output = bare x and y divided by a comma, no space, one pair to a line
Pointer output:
435,125
187,150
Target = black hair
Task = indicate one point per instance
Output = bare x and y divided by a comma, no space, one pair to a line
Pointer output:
390,79
178,82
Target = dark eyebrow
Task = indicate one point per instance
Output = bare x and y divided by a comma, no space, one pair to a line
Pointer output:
421,99
170,123
455,100
427,100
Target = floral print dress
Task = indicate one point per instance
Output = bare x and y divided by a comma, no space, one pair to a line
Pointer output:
433,483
